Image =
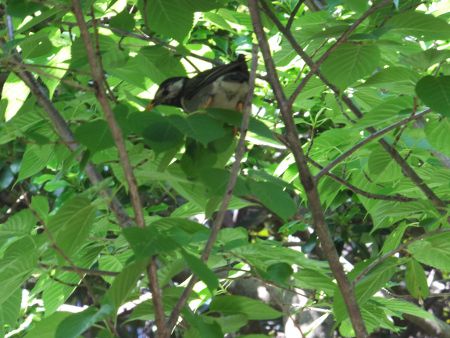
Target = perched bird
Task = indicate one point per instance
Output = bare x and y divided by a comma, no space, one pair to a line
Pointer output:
223,86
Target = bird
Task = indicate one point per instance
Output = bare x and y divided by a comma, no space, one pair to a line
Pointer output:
225,86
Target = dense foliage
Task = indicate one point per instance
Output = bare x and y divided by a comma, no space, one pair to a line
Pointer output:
72,259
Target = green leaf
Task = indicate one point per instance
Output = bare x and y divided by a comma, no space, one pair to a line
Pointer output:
17,226
15,91
74,325
201,270
171,18
201,327
349,63
232,323
397,307
10,309
274,198
148,241
34,160
435,93
123,21
383,167
163,63
394,238
438,135
95,135
314,280
39,204
366,287
253,309
433,251
16,266
72,223
420,25
395,79
279,273
160,134
47,326
416,281
200,127
124,283
56,292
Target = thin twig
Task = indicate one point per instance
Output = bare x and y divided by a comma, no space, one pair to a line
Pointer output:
306,178
239,153
368,139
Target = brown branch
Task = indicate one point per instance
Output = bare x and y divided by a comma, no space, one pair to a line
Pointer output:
97,75
217,224
152,273
406,168
368,139
306,178
293,14
391,253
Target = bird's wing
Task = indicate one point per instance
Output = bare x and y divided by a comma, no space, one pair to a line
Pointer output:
206,78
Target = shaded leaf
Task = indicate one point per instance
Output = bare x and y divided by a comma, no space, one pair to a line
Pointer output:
253,309
435,93
349,63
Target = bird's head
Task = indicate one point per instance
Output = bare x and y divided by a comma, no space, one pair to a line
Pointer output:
169,92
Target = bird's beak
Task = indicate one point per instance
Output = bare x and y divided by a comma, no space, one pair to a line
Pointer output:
150,106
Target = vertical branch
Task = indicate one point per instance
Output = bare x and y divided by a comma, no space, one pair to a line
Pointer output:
307,180
217,224
98,77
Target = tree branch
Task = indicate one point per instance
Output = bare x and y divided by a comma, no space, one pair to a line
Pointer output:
217,224
408,171
368,139
98,77
306,178
293,14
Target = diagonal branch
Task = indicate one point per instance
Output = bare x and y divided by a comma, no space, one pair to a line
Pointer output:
368,139
306,179
293,14
407,170
68,139
217,224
